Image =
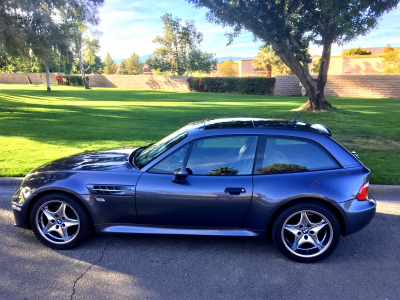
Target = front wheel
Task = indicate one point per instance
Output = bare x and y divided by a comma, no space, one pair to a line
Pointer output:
59,221
306,232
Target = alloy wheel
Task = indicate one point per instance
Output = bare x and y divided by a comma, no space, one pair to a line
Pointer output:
57,222
307,233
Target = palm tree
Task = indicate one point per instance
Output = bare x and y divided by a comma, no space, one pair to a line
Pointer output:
268,60
264,59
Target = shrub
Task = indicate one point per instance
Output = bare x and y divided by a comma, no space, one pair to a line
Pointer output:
73,80
249,85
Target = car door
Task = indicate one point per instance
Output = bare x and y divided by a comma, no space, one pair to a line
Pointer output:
217,193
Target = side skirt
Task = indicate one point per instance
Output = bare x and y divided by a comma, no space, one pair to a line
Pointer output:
141,229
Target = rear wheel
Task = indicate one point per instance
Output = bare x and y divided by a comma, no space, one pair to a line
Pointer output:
306,232
59,221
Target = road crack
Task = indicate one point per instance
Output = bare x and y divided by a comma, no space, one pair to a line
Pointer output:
87,270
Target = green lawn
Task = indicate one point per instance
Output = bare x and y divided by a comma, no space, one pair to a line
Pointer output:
37,126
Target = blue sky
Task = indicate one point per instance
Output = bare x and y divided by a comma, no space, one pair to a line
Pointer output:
130,26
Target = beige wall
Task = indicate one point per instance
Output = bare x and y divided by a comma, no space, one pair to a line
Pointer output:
362,66
355,65
370,86
246,68
336,65
140,82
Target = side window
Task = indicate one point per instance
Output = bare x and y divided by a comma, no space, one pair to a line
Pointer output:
289,155
233,155
172,162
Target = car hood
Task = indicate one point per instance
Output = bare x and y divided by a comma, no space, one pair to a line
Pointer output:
113,160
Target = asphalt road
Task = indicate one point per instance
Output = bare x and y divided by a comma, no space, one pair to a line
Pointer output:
365,265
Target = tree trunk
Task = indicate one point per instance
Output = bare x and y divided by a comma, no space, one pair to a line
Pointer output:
48,79
85,83
269,71
314,87
27,78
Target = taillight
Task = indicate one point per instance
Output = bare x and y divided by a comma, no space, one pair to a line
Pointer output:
363,192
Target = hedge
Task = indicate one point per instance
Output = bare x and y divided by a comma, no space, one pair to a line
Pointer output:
248,85
73,79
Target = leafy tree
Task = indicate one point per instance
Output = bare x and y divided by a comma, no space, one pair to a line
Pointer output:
391,61
132,65
178,52
31,64
42,28
281,168
85,47
158,72
290,26
317,66
267,59
227,68
10,64
223,171
94,68
388,48
356,51
110,67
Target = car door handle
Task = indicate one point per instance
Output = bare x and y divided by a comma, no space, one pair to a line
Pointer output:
235,191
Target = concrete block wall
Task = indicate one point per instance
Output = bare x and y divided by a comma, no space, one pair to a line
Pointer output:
368,86
140,82
36,78
287,85
372,86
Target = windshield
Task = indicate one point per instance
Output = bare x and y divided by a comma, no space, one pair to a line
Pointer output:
154,151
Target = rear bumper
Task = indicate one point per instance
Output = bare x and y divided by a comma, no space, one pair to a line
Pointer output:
357,214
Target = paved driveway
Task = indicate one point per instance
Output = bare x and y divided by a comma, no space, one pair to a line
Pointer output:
366,265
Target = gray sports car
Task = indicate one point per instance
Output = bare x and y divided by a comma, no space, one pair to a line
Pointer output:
225,177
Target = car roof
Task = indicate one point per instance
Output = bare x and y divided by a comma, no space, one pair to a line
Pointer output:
236,123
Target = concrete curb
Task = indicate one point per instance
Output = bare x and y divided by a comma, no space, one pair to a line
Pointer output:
11,181
385,192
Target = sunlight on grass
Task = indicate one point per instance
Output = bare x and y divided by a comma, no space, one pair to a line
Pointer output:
37,126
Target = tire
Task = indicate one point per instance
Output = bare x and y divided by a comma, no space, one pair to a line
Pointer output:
59,221
306,232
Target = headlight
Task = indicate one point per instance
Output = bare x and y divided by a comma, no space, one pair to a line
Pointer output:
18,198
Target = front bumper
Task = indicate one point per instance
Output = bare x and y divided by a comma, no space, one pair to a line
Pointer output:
357,214
19,210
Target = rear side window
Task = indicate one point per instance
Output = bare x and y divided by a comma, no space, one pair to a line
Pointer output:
289,155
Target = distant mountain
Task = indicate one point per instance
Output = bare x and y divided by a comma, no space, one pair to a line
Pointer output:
219,59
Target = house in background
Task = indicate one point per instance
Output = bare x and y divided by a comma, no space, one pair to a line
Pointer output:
370,64
243,68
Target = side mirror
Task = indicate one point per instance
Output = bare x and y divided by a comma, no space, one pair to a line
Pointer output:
180,174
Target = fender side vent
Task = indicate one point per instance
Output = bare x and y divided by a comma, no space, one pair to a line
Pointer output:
111,189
